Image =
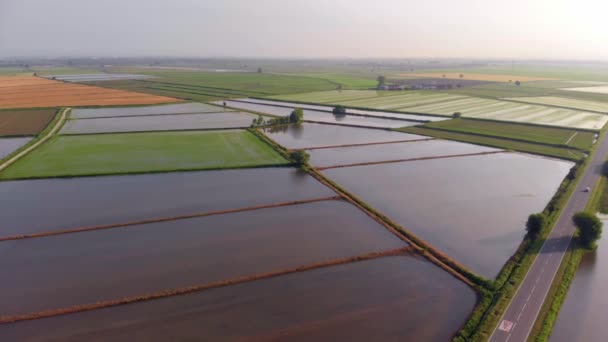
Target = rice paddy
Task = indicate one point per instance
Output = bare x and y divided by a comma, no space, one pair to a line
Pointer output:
595,106
10,145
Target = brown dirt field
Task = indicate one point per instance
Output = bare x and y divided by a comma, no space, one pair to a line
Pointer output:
24,122
32,92
478,77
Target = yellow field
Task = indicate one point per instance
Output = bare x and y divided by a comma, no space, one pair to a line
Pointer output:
31,92
478,77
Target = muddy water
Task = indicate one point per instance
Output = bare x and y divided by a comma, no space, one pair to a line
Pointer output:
81,268
387,299
583,314
9,145
473,208
50,204
158,123
144,110
309,135
384,152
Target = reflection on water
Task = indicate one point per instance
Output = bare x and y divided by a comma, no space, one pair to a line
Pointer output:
387,299
582,316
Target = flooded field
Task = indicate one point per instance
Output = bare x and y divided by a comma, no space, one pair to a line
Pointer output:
582,316
308,135
394,298
324,116
110,264
158,123
180,108
284,108
406,150
473,208
76,202
10,145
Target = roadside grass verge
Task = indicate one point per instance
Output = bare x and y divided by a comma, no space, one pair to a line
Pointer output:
105,154
543,327
521,146
558,137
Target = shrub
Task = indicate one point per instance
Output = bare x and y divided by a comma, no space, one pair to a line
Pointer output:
339,110
589,228
299,157
297,115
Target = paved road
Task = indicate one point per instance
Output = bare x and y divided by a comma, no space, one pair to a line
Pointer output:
521,314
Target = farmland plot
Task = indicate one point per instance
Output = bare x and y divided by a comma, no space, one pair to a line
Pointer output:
387,152
180,108
176,122
24,122
143,152
35,92
603,89
117,263
97,77
473,208
334,96
516,112
565,102
310,135
69,203
394,298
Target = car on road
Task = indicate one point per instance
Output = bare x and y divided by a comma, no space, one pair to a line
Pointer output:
587,189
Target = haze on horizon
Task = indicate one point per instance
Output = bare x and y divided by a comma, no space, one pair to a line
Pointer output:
518,29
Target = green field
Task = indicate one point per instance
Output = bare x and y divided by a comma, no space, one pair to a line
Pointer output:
207,86
545,135
550,151
143,152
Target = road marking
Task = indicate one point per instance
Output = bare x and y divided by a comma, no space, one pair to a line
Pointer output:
505,325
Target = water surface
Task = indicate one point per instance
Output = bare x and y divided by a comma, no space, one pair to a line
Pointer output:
10,145
387,299
30,206
472,208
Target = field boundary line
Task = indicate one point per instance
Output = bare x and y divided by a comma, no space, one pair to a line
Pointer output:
164,219
197,288
41,141
353,125
571,137
410,159
363,144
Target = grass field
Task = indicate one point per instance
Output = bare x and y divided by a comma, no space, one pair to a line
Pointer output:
347,81
143,152
565,102
30,92
476,76
550,151
24,122
209,86
547,135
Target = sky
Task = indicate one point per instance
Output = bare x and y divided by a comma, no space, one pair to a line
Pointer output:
514,29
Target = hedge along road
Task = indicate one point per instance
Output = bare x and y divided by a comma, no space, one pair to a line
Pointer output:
519,318
27,150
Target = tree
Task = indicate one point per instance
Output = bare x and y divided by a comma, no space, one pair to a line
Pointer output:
297,115
381,80
300,158
339,110
457,115
589,228
517,83
461,76
259,70
534,225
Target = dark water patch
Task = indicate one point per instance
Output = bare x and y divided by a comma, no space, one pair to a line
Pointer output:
387,299
473,208
32,206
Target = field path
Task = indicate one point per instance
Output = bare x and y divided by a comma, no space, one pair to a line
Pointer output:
58,124
521,314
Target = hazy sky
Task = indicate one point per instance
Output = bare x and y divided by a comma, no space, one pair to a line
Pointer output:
569,29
